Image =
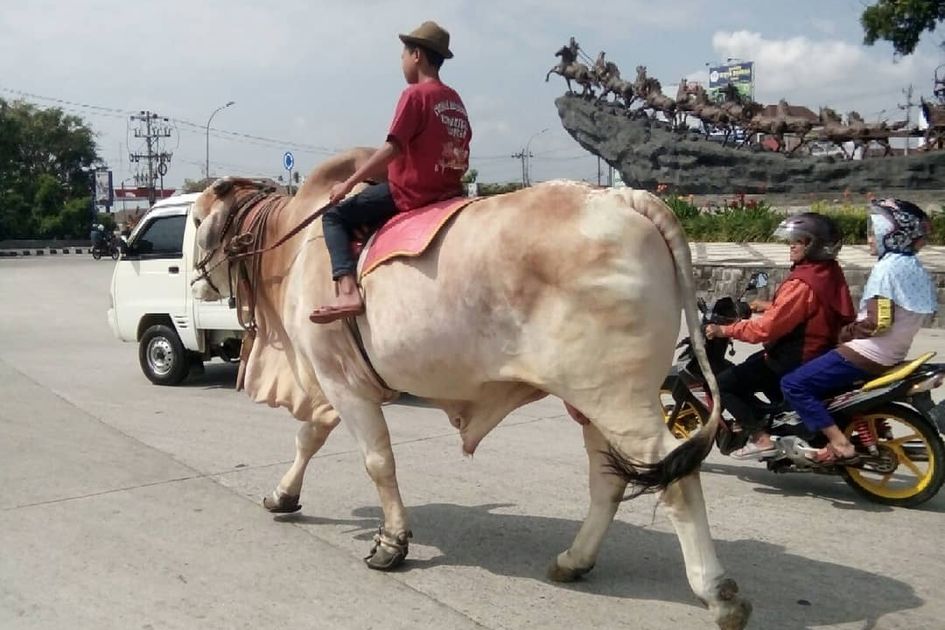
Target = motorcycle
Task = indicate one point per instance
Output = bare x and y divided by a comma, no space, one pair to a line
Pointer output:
891,420
108,246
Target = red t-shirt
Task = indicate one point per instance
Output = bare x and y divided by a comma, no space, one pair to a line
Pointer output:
432,131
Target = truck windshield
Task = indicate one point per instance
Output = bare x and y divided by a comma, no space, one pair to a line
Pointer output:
163,237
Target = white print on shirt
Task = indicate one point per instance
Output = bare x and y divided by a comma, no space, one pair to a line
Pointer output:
453,158
449,106
456,126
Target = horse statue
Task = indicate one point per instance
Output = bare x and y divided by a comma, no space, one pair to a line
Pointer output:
608,78
685,100
651,91
935,117
833,130
781,124
740,108
872,132
570,68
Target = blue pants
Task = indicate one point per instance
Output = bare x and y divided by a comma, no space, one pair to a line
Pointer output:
806,387
368,210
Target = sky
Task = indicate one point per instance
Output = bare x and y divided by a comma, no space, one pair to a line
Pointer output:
318,76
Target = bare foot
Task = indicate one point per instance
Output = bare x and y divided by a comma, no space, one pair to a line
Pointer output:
347,303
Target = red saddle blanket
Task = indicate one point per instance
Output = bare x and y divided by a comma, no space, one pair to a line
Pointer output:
409,233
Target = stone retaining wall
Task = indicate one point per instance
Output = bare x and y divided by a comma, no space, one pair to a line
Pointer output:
713,281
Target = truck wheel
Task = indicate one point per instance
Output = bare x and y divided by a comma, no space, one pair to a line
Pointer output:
162,356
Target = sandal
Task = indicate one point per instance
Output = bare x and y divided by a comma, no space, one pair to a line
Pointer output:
753,451
327,314
832,455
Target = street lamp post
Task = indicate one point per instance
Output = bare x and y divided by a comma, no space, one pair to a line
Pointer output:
527,157
218,109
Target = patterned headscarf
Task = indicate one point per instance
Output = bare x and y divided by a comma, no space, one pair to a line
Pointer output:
899,274
904,224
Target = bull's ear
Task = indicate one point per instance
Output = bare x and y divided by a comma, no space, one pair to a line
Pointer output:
210,214
210,231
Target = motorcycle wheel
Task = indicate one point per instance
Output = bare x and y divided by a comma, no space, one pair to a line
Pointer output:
115,253
96,253
911,465
688,420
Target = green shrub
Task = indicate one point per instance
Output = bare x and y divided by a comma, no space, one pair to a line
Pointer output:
682,208
741,221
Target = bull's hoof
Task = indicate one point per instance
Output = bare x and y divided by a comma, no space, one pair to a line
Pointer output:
557,573
731,612
734,617
280,503
389,550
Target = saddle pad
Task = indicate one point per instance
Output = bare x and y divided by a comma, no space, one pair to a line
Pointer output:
409,233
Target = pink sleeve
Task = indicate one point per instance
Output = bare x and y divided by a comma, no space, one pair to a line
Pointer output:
407,119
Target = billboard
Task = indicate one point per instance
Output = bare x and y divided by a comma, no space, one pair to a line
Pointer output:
103,188
741,75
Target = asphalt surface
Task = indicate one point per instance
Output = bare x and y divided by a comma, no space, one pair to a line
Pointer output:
126,505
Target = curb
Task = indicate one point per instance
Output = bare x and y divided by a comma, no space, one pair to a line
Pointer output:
52,251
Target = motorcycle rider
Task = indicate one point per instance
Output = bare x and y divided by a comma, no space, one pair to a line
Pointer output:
801,323
898,299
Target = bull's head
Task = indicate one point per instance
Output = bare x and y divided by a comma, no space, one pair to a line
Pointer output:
215,216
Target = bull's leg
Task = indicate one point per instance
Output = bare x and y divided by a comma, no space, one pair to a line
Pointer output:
686,508
650,441
311,437
606,490
367,424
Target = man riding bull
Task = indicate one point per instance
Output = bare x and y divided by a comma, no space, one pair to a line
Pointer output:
425,155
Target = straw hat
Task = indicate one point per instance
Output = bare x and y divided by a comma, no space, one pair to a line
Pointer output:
432,36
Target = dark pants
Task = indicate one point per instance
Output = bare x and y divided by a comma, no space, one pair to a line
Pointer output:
809,384
739,384
368,211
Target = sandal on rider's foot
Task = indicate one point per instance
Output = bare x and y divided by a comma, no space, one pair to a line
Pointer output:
327,314
754,451
832,455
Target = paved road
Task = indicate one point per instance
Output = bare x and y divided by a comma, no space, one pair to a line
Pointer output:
126,505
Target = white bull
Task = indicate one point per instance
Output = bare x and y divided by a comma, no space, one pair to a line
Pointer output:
559,289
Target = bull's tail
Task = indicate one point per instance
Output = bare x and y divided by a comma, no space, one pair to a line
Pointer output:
642,477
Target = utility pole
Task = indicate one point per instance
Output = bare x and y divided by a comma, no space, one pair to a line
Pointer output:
152,132
522,155
908,107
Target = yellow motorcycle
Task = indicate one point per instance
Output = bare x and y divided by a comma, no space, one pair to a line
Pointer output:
891,420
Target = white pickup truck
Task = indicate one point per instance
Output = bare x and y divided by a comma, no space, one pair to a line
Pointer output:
152,304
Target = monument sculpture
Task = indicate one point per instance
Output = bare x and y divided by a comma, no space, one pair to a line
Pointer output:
726,142
934,112
732,114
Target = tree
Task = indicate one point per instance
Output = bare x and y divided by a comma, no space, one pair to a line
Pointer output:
197,185
45,187
901,22
470,176
486,190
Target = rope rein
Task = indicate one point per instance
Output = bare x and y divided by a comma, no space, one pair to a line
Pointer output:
244,251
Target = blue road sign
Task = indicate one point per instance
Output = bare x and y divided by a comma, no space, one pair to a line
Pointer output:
288,161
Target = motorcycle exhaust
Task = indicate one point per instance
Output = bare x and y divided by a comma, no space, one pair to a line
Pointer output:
795,449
